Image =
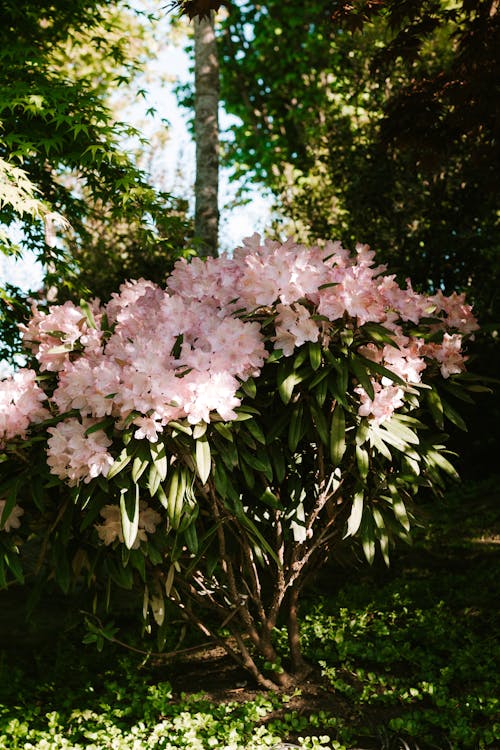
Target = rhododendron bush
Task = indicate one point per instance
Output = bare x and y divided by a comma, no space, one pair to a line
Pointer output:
215,440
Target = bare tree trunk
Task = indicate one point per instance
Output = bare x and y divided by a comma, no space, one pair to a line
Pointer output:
206,221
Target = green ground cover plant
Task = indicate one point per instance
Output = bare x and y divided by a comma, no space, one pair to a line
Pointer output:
401,658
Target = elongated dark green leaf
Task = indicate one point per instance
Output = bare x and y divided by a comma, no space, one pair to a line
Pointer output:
435,407
391,438
275,451
259,461
451,414
296,426
320,376
436,458
320,392
320,422
377,442
337,436
249,387
224,430
342,370
87,311
286,387
255,429
191,538
129,512
379,334
361,373
363,461
277,427
400,512
315,354
401,431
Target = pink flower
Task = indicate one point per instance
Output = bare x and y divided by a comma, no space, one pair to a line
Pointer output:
458,313
448,354
384,403
13,520
52,336
20,404
73,455
294,326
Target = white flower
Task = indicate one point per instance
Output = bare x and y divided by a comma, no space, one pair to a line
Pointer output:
13,519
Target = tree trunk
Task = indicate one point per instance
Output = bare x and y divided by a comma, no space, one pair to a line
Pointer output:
206,221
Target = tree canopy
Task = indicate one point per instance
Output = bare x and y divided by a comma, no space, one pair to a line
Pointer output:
62,156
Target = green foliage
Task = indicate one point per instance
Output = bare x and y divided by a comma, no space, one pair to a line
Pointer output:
126,707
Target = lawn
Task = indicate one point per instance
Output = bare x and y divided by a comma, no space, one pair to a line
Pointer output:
401,659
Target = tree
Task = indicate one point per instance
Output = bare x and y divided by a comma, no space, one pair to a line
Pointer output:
206,123
62,159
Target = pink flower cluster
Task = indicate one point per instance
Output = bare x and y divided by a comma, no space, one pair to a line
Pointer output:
182,352
20,404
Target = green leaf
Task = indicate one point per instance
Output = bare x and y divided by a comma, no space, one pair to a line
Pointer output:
379,334
320,422
199,430
401,431
451,414
255,430
285,388
259,461
159,458
129,512
269,498
203,459
191,538
275,451
337,436
296,427
315,354
435,458
400,512
120,463
224,430
354,520
249,388
89,315
154,480
363,461
435,407
139,466
361,373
